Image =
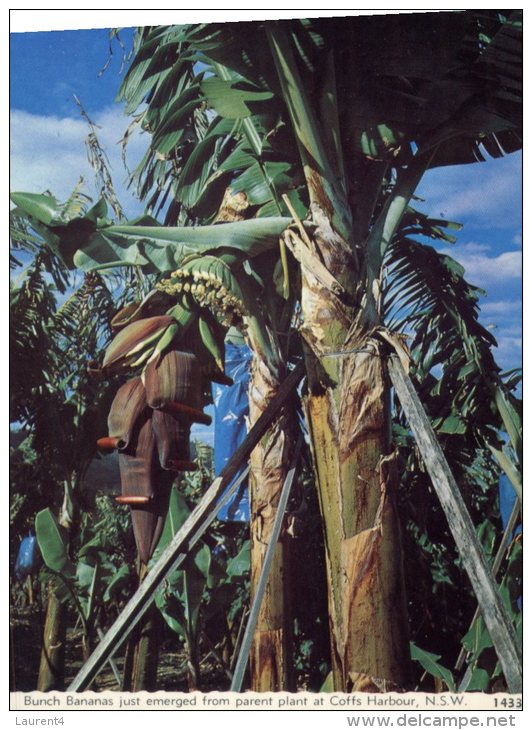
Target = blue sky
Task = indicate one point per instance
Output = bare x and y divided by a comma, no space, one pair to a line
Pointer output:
47,152
48,68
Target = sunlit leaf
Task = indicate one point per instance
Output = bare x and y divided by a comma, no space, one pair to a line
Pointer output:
430,664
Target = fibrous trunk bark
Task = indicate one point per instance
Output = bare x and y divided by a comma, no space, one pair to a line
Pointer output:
147,654
146,651
347,413
271,651
356,479
52,664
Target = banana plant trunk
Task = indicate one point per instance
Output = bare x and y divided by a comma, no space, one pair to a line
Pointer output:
356,480
347,406
348,416
271,651
147,653
146,647
141,657
52,662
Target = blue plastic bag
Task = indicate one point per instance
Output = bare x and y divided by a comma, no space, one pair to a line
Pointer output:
231,407
507,497
28,557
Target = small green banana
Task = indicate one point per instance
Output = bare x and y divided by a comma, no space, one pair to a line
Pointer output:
211,342
165,341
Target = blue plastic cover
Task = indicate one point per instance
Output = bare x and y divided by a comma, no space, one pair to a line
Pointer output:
28,557
507,497
231,408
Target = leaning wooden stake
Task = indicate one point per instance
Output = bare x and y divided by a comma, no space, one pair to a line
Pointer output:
470,550
503,547
175,552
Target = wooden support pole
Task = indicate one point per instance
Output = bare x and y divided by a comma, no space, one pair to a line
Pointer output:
503,547
176,551
471,553
111,661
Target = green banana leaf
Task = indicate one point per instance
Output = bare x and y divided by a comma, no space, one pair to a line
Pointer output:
159,249
119,580
53,544
89,583
240,564
479,682
197,170
430,664
180,599
47,209
511,419
232,99
43,208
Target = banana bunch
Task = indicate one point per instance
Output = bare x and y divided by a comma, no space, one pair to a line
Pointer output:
211,283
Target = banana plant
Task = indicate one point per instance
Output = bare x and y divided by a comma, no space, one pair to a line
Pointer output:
220,292
54,402
330,89
204,296
191,595
453,367
235,170
85,582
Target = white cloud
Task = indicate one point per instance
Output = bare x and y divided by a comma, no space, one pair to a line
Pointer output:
487,196
472,248
502,307
500,276
509,351
485,270
48,153
489,192
503,318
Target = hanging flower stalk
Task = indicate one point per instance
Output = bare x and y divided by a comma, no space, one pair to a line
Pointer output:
150,419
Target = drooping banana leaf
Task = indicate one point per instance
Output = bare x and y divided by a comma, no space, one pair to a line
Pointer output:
90,242
430,663
427,298
158,249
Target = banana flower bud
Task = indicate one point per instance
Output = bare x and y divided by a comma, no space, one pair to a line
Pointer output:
142,476
175,378
136,342
149,423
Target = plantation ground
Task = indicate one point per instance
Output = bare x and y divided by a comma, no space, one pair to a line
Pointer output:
25,643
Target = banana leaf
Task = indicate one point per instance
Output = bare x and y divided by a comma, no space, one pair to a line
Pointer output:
430,664
159,249
53,544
